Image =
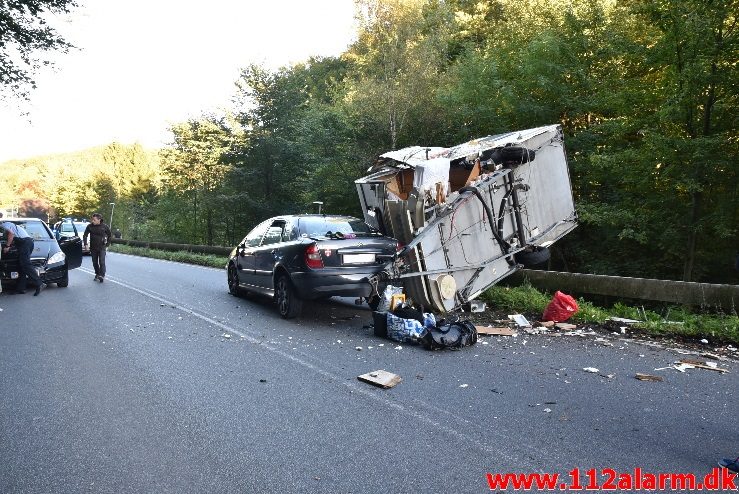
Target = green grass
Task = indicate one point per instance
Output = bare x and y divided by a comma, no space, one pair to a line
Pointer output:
676,322
178,256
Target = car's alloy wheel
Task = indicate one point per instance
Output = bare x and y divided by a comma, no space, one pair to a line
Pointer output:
233,281
288,303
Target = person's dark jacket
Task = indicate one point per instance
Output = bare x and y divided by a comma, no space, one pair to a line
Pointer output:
99,236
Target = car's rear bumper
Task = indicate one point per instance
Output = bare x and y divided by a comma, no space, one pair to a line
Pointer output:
316,284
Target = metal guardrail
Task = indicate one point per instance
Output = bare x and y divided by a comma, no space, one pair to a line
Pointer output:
725,297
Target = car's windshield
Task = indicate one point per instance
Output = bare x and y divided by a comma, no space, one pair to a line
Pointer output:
81,227
67,228
328,226
35,229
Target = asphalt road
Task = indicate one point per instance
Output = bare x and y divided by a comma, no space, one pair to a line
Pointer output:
160,381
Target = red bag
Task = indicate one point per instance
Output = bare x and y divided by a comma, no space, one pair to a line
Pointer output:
561,308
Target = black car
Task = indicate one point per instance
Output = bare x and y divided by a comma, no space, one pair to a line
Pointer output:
53,259
69,227
307,257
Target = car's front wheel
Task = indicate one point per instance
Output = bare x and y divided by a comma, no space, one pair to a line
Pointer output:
289,305
233,281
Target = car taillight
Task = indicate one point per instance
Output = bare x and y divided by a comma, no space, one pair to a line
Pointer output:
313,257
399,246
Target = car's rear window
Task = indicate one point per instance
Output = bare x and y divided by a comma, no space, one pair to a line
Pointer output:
67,228
325,226
35,229
81,227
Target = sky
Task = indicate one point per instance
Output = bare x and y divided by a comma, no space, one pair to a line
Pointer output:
143,65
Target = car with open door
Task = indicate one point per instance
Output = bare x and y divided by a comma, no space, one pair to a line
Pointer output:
51,257
293,258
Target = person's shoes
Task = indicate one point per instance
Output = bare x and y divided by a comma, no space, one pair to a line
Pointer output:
100,279
729,464
39,288
95,278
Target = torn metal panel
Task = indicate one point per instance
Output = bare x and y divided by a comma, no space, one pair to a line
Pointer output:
472,214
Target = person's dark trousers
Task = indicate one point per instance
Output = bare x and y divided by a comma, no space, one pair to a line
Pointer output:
98,262
25,247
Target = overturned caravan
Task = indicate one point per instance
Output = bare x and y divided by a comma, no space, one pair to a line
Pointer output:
469,215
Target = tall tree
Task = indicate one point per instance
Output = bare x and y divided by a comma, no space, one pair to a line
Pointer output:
192,166
25,36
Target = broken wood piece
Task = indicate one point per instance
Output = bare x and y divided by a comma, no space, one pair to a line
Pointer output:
380,378
496,331
648,377
702,365
565,326
545,324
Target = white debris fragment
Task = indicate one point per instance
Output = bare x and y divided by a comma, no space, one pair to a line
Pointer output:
398,347
338,341
704,341
592,370
226,335
520,320
463,385
548,410
623,320
358,348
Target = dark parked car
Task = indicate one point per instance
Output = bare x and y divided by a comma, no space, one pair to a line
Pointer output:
306,257
52,259
69,227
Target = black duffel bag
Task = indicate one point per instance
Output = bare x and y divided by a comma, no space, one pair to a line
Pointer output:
449,335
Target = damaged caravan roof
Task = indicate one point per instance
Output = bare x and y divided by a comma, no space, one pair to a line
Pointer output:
471,214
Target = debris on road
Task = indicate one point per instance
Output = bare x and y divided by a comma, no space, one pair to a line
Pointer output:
703,365
592,370
566,326
520,320
490,331
648,377
380,378
623,320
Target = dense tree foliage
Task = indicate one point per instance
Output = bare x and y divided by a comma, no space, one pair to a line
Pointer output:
646,91
25,36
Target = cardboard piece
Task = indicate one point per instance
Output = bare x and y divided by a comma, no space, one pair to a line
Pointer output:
565,326
648,377
380,378
496,331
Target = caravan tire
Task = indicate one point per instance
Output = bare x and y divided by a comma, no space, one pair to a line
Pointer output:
538,255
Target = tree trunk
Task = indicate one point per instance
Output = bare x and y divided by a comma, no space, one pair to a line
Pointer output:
696,199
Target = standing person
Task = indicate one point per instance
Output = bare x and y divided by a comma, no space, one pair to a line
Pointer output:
99,234
17,235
